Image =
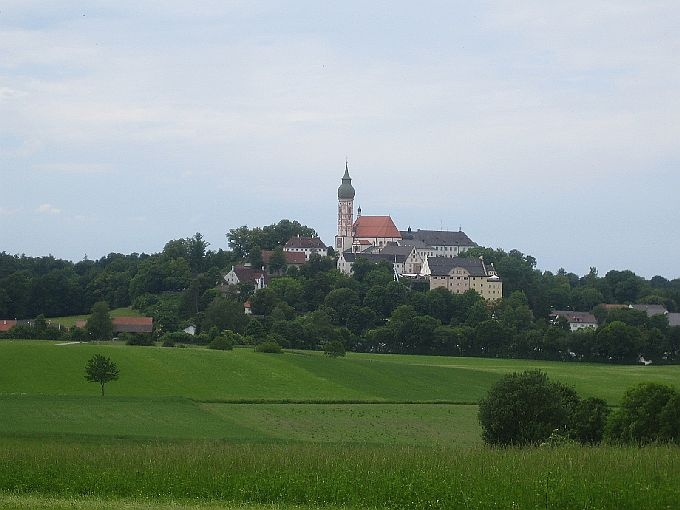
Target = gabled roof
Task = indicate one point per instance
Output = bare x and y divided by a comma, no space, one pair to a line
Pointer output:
651,309
7,324
673,319
575,317
391,249
292,257
132,324
442,266
350,256
248,274
305,242
437,238
126,324
375,226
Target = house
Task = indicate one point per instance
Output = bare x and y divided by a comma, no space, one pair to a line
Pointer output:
307,245
347,258
413,262
650,310
246,274
7,324
673,319
126,324
576,320
293,259
460,274
132,324
248,307
437,243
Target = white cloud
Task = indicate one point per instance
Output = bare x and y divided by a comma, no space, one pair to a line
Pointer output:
513,100
47,209
7,94
8,211
73,168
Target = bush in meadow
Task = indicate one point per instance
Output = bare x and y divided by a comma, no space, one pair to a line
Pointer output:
525,408
649,413
270,347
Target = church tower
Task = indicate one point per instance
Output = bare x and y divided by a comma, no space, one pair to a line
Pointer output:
343,241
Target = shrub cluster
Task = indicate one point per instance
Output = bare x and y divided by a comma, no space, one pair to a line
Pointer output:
527,408
649,413
271,347
145,339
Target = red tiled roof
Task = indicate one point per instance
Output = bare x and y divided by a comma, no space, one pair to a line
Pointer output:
375,226
292,257
132,324
7,324
127,324
248,274
136,321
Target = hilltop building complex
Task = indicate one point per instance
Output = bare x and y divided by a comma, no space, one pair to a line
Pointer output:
431,254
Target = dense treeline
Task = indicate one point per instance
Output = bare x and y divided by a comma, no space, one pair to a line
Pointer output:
367,311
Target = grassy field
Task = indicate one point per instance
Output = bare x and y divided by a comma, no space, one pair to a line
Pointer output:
199,429
71,320
289,476
48,368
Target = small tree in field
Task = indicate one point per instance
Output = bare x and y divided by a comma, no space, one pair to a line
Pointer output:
101,370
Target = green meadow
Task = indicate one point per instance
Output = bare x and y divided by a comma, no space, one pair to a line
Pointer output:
71,320
196,428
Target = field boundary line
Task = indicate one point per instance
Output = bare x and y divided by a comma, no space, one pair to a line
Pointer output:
334,402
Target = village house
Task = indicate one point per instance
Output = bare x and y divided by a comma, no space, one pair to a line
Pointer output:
293,259
650,310
126,324
306,245
575,320
7,324
405,260
246,274
346,260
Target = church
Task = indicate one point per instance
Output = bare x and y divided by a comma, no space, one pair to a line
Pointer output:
433,254
366,231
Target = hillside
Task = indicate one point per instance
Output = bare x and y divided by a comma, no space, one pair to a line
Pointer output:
48,368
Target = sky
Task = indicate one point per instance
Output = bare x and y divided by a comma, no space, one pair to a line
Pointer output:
547,127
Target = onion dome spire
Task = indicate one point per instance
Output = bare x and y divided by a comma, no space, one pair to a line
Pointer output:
346,190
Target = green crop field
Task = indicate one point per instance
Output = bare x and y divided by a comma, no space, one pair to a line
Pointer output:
195,428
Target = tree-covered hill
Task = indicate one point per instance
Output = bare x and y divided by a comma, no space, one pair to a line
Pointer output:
368,311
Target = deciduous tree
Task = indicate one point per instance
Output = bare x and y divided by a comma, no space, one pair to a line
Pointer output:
99,325
101,369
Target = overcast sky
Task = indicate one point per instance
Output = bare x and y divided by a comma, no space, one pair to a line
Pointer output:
548,127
